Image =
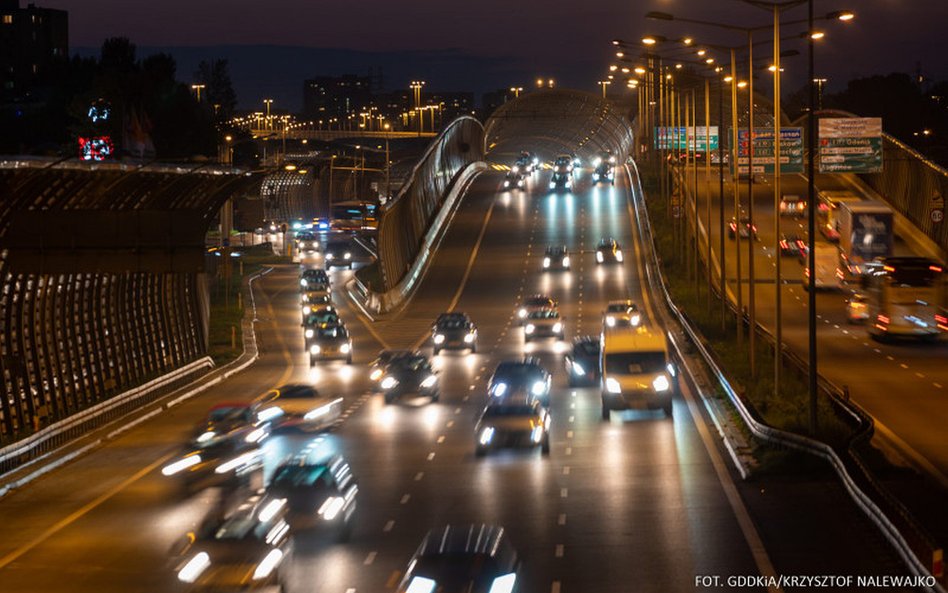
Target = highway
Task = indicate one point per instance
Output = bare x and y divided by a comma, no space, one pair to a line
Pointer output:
634,504
901,384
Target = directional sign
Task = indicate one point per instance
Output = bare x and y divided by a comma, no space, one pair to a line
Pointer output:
791,150
851,145
680,138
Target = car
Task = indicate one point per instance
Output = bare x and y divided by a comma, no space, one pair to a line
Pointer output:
556,257
608,251
746,228
410,374
605,173
604,157
382,360
325,316
330,342
564,162
222,451
250,548
319,489
454,331
792,245
463,558
857,308
582,361
307,242
298,406
575,160
637,371
624,313
561,179
314,301
338,254
514,179
535,303
512,424
314,279
544,323
525,163
792,205
524,379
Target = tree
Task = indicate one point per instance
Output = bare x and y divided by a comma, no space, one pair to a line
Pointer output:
218,89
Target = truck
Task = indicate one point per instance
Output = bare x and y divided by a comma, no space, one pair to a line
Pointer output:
830,200
865,232
829,276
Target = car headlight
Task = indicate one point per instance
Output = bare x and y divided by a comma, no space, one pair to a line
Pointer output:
236,463
671,369
269,562
468,338
348,255
552,184
194,568
206,436
546,262
180,465
504,583
538,388
389,382
304,282
439,338
268,414
578,368
329,256
557,327
566,262
376,374
330,508
529,329
635,320
487,435
506,183
307,310
256,435
618,256
429,381
661,383
515,168
597,162
321,410
309,333
612,386
314,349
611,321
345,348
595,176
421,585
522,313
499,389
599,257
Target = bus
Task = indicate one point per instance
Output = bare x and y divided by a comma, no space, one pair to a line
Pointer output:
906,298
354,216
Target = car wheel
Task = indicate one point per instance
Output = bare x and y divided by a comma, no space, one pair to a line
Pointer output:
312,361
667,408
545,447
389,398
349,359
480,451
474,349
605,411
437,351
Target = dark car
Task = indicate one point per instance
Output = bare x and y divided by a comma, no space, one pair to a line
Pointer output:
535,303
229,421
249,549
525,379
307,242
377,367
512,424
564,162
556,257
325,316
298,406
463,559
408,375
605,173
454,331
608,251
319,489
514,180
792,246
339,254
310,278
330,342
746,228
561,179
582,361
526,163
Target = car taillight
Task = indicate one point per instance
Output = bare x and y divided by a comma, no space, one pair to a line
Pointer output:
882,319
942,322
783,245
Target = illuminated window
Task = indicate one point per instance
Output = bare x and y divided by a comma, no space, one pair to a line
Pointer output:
8,19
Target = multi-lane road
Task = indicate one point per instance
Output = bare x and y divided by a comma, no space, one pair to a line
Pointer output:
639,503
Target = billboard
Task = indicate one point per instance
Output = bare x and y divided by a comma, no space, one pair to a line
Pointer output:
791,150
850,145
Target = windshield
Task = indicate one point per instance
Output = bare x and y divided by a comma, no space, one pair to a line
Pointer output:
589,348
227,414
517,373
324,318
300,475
635,363
508,410
452,323
621,308
332,332
545,314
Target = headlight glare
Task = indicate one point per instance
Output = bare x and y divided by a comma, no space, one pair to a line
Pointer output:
612,386
661,383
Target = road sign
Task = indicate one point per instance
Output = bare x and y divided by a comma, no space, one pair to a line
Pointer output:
937,204
850,145
680,138
791,150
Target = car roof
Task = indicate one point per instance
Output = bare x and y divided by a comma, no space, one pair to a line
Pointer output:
640,339
294,390
481,539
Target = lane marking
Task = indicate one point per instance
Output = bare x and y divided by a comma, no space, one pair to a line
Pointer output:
569,450
561,520
389,525
405,499
559,550
450,423
565,470
431,456
368,560
82,511
440,439
564,492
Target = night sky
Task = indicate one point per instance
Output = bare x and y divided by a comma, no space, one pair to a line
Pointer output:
482,45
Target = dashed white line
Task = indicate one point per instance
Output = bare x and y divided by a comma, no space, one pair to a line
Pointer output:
920,375
450,423
405,499
572,418
419,476
389,525
903,365
569,434
457,410
889,357
561,520
569,450
559,550
938,385
368,560
564,492
431,456
565,470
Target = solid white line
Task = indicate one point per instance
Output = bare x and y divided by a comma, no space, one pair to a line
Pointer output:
559,550
561,520
431,456
564,492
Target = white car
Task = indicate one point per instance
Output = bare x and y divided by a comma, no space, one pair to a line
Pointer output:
622,313
545,323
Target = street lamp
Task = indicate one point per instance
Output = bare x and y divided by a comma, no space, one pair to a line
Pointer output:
268,102
197,88
604,84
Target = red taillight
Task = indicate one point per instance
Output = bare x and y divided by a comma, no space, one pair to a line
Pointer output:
783,245
935,269
882,319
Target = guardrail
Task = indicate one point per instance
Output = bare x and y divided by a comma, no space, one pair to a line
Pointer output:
773,435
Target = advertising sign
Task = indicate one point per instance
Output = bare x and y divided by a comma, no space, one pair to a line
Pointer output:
791,150
850,145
